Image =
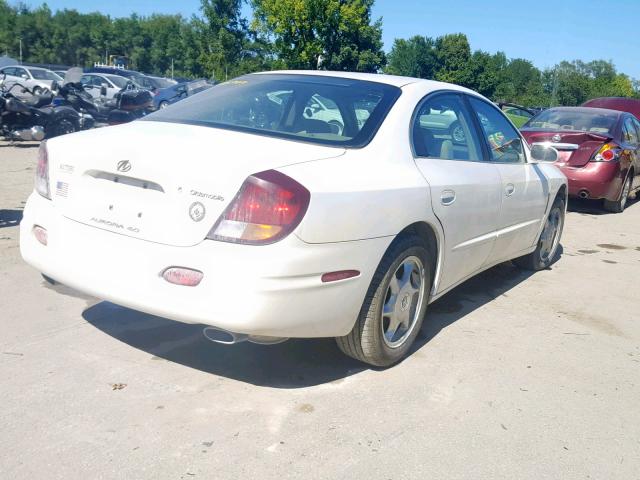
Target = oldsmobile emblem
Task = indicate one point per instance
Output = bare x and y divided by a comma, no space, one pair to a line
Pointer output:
197,211
556,138
124,166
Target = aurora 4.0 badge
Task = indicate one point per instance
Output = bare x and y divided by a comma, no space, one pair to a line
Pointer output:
197,211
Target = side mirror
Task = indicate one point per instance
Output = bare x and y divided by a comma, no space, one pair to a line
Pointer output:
543,152
103,90
25,76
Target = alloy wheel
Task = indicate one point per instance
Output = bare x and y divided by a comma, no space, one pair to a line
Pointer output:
550,237
403,301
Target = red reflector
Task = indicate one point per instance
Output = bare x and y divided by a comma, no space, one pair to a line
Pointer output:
341,275
41,234
182,276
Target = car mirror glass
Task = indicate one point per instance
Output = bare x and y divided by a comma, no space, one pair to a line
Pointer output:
542,152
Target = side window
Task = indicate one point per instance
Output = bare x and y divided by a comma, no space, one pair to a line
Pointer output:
629,132
85,80
21,71
502,139
443,129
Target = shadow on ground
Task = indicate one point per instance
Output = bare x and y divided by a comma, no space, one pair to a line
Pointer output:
596,207
295,363
10,218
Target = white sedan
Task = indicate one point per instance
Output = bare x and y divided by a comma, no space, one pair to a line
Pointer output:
233,210
36,79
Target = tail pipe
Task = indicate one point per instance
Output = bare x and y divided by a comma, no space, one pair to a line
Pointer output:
583,194
226,337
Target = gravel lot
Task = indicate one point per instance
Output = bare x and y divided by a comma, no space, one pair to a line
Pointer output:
515,376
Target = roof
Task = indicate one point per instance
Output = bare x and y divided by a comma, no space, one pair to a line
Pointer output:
394,80
624,104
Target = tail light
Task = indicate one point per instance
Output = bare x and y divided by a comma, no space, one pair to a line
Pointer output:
268,207
609,152
42,172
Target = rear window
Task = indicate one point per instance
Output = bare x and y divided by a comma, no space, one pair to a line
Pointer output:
316,109
573,120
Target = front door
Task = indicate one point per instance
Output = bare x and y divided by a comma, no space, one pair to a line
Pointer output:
524,189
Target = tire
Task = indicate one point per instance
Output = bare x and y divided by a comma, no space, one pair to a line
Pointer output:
163,104
336,127
548,242
619,205
37,90
371,340
457,133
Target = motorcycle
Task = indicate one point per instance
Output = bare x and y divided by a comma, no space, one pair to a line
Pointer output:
128,104
33,118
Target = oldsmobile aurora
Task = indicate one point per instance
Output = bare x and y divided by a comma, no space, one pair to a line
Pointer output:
241,210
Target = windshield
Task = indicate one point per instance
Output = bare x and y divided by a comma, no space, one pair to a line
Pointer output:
316,109
573,120
119,82
161,82
39,74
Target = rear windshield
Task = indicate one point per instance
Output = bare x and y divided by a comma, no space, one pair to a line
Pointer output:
573,120
316,109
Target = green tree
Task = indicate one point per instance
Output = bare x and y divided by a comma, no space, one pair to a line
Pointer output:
322,34
453,54
414,57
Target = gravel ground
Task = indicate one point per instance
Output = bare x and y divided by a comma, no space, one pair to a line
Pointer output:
514,376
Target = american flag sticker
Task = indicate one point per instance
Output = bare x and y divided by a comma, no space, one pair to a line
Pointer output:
62,189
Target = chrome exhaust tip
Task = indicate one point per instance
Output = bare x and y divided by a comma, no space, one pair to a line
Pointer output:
583,194
225,337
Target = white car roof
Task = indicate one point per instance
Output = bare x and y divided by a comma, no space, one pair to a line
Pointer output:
396,81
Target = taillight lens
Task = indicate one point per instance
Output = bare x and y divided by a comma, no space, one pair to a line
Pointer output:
268,207
42,172
609,152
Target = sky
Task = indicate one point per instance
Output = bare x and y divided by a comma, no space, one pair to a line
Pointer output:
545,32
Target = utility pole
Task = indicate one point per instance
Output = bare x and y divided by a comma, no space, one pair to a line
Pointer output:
20,51
172,69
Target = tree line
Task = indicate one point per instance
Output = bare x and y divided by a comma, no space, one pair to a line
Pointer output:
221,43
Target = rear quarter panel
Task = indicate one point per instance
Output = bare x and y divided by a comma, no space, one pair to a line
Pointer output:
371,192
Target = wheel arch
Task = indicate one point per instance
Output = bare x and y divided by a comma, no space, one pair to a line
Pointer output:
432,238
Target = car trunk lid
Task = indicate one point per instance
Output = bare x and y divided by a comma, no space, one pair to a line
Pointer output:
162,182
575,148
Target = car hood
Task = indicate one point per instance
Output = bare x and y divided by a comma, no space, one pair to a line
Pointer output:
170,170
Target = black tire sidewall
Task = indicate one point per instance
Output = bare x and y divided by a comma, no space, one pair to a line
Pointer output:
390,355
558,202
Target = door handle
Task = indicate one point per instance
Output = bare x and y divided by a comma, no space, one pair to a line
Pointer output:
447,197
509,189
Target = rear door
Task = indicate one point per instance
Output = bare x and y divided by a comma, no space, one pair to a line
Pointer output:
465,190
524,189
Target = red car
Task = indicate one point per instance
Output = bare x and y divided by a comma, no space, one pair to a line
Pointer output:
623,104
599,150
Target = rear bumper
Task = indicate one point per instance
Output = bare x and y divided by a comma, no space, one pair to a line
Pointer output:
597,179
272,290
